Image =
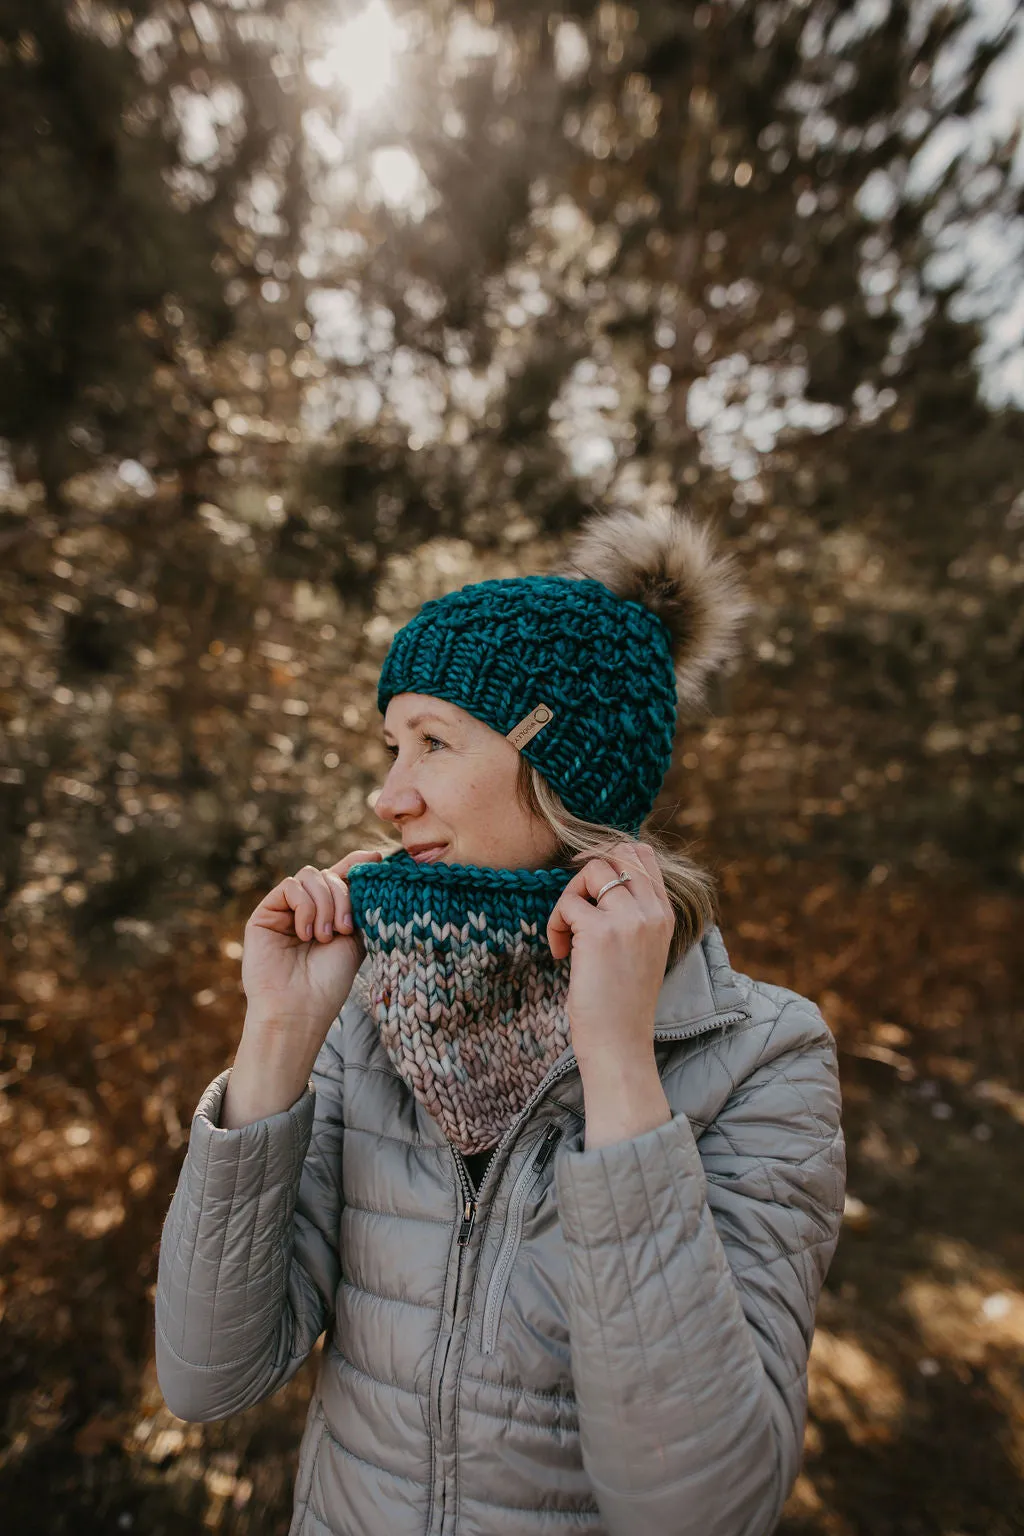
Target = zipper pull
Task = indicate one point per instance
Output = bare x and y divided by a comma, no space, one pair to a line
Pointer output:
551,1136
468,1220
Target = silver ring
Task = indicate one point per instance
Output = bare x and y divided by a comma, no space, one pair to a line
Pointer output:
622,880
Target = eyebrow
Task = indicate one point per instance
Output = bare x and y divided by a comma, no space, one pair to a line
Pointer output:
415,720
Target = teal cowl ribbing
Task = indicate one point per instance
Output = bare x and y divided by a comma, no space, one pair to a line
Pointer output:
468,998
603,664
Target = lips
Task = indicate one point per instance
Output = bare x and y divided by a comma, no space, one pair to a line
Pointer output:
427,852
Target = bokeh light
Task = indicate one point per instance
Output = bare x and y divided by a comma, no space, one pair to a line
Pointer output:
360,57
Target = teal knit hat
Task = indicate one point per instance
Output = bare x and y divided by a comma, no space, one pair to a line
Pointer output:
603,667
582,668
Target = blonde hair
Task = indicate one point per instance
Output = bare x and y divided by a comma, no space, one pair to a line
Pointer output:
690,889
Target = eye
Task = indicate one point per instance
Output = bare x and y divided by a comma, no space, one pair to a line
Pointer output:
392,750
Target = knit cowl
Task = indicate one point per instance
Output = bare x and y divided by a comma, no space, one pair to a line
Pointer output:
469,1000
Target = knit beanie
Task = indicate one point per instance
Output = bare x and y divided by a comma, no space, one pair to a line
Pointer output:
584,669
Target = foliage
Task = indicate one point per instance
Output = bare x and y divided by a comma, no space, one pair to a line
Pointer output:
309,312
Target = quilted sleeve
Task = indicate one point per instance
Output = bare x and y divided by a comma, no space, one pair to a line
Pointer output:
694,1280
249,1262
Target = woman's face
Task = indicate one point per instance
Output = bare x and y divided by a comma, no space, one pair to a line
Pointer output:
452,782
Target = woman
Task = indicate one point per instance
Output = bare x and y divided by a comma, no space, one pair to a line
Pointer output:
560,1186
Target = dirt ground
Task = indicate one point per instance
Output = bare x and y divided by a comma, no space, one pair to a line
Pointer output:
917,1387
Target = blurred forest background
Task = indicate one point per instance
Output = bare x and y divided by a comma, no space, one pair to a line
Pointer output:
310,311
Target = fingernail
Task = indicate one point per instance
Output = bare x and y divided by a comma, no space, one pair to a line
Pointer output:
346,921
309,930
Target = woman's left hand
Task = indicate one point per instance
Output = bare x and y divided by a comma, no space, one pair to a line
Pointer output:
618,950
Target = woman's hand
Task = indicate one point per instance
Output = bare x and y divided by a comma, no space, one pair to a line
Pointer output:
618,950
302,950
299,960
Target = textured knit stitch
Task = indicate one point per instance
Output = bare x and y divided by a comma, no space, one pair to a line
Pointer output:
602,663
468,998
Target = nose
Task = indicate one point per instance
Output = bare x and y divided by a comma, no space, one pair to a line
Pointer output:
397,798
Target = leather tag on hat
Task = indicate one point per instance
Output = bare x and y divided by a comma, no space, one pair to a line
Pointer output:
529,725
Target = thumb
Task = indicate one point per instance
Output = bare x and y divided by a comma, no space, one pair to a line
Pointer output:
360,856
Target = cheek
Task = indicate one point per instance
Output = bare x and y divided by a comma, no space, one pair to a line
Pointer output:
460,793
479,792
497,802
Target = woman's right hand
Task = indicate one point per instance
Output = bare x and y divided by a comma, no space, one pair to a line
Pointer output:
301,953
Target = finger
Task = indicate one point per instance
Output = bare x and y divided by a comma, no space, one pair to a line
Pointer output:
573,901
314,883
636,894
276,910
360,856
302,904
649,858
342,899
588,881
636,856
567,920
597,872
646,884
640,863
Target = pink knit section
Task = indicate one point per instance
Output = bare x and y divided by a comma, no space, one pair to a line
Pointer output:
473,1026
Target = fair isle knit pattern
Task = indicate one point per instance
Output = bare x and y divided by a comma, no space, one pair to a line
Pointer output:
469,1001
603,664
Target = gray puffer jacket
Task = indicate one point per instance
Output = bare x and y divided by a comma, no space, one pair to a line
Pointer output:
611,1341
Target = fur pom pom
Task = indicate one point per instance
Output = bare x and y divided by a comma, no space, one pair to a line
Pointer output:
669,561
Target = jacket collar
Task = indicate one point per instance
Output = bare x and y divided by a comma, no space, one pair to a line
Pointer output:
699,986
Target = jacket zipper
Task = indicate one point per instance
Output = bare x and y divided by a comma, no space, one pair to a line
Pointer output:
666,1032
467,1223
462,1240
469,1204
512,1236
